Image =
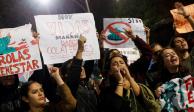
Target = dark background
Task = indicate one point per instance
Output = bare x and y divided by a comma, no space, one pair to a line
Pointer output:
154,13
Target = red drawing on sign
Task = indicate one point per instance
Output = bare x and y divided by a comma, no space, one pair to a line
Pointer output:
116,32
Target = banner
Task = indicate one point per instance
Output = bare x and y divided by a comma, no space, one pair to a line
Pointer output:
114,32
59,35
178,95
23,77
18,53
182,25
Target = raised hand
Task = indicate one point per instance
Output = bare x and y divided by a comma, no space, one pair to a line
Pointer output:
35,34
54,72
181,10
81,42
147,31
116,72
159,91
125,72
129,33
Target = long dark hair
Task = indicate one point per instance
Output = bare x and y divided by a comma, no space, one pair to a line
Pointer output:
24,93
108,80
165,74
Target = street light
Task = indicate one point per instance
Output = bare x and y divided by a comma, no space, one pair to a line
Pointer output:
87,5
44,2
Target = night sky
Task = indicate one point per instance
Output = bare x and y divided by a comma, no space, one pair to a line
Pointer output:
154,13
18,12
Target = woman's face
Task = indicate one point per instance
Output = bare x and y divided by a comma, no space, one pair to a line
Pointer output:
120,63
180,44
117,61
170,58
36,95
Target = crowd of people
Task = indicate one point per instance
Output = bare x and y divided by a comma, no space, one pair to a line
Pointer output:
107,85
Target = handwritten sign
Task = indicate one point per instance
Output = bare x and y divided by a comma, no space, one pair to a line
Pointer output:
182,25
132,54
115,33
178,95
59,35
18,54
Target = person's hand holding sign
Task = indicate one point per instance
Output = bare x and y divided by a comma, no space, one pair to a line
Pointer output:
101,38
147,31
81,42
181,10
129,33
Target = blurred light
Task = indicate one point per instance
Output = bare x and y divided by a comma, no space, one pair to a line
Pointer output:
44,2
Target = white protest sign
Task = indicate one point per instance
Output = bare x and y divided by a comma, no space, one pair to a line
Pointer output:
18,52
132,54
59,35
178,94
114,31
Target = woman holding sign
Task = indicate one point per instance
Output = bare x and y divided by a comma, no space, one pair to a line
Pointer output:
175,86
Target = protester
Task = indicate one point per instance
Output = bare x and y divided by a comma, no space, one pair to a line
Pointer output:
9,95
181,47
154,68
122,93
171,69
144,60
180,44
34,99
75,76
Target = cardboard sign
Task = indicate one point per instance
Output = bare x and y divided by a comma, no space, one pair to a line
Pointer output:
182,25
114,30
18,53
59,35
178,95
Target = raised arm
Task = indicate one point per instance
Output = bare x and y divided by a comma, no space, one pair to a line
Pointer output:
119,78
144,60
68,102
131,80
73,79
142,46
80,50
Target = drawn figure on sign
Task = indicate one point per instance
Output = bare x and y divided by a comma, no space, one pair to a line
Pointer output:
115,37
115,33
169,95
5,42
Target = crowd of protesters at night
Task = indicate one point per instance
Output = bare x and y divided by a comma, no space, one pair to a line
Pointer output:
109,84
